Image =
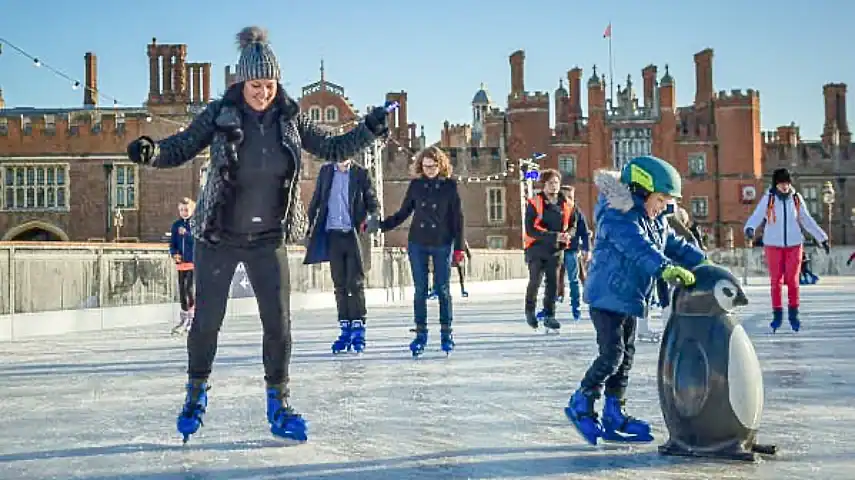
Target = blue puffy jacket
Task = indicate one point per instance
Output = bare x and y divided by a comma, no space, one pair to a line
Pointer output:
630,250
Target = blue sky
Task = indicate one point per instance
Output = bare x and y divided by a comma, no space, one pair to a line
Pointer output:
440,51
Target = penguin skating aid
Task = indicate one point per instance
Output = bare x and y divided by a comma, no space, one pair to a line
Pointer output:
709,378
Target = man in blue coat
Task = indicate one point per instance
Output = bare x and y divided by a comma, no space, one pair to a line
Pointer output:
343,211
634,247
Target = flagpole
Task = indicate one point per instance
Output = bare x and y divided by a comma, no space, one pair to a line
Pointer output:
611,69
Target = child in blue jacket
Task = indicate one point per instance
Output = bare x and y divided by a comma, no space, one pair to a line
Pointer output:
634,247
181,251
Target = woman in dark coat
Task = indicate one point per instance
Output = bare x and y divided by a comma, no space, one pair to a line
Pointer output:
436,234
250,200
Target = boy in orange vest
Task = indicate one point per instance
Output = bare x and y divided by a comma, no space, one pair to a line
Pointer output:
547,220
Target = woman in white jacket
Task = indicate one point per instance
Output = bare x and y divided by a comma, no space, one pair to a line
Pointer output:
783,214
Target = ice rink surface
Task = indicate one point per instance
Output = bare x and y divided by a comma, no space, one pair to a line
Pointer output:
102,405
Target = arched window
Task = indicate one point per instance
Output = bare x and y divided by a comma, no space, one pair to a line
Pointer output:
331,114
315,113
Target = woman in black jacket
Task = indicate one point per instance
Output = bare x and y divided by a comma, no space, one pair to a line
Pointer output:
250,200
436,233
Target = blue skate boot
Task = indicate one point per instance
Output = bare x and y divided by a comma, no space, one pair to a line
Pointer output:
417,346
580,412
793,317
446,340
195,405
343,342
777,319
285,423
357,335
620,427
577,313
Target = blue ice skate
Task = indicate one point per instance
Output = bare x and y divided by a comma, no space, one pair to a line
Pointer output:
343,342
577,313
432,294
559,299
777,319
446,341
417,346
195,405
285,423
541,314
793,317
620,427
580,412
357,335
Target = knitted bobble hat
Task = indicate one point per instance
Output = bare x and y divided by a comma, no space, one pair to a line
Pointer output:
257,59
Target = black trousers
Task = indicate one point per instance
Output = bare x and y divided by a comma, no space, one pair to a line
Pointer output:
538,267
185,289
348,276
268,272
616,342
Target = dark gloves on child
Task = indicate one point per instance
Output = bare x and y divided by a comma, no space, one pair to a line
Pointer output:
749,234
826,247
376,121
141,150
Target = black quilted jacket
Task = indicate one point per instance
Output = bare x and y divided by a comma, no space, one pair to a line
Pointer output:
219,126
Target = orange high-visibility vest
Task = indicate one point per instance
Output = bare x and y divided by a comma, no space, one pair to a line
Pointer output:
538,204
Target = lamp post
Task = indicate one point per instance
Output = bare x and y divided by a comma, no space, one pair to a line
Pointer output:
108,205
828,200
528,171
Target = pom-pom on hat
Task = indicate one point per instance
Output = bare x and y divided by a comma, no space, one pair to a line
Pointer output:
257,59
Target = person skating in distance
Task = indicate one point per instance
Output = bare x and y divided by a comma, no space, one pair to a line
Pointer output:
181,251
548,217
782,213
342,215
436,235
634,246
250,199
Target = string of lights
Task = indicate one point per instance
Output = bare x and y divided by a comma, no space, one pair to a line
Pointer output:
76,84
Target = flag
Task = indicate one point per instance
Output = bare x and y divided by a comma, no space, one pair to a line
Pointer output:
608,32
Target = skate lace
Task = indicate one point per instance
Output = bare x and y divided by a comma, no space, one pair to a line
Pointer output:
285,413
192,407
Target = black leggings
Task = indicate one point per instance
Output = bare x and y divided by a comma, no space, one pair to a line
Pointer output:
267,270
185,289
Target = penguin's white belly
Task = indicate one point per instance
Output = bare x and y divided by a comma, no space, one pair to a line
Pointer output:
744,379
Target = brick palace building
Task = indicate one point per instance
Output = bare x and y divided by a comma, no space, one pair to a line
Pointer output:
62,167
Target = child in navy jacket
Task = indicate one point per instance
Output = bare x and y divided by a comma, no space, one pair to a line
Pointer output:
181,251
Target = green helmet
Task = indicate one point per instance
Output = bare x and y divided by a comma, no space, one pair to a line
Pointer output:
652,174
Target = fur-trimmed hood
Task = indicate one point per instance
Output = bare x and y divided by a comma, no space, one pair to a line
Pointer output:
613,193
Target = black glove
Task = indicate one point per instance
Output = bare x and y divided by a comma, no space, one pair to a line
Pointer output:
749,234
376,121
141,150
826,247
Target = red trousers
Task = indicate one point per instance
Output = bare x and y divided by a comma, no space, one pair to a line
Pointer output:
784,264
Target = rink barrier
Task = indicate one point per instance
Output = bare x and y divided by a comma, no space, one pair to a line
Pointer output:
55,288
